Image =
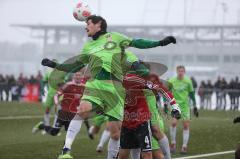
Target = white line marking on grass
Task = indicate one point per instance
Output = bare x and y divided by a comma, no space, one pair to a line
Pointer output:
206,155
21,117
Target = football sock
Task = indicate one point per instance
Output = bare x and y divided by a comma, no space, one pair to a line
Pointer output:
87,124
164,144
73,129
173,131
55,120
90,130
47,119
185,137
113,148
105,136
135,153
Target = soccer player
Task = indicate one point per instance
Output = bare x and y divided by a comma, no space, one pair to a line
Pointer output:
140,95
104,92
135,131
69,95
182,88
49,103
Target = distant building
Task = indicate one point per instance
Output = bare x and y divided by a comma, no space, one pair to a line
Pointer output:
206,51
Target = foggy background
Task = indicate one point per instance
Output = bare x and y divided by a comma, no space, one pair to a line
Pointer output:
22,48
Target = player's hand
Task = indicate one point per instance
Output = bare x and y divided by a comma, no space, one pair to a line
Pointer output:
167,40
49,63
176,112
195,111
236,120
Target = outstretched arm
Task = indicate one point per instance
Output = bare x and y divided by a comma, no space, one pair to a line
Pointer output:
133,81
145,44
66,67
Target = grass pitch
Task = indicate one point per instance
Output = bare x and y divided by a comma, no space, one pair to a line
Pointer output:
213,131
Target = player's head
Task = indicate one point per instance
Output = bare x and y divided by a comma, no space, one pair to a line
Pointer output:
77,77
180,71
95,24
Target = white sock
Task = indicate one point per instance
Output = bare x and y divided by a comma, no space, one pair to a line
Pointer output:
173,131
47,119
73,129
105,136
135,153
55,121
113,148
185,137
90,131
164,144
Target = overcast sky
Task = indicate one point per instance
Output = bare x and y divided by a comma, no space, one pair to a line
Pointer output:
122,12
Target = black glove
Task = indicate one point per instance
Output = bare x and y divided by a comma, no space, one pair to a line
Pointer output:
49,63
176,112
167,40
195,112
236,120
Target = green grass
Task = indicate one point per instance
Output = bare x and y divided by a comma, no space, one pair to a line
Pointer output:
212,132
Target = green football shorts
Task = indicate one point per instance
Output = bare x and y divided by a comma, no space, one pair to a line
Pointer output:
107,95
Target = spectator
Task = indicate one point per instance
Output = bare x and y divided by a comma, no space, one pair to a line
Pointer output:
223,87
11,84
6,87
209,92
15,90
2,81
237,86
201,93
232,93
21,83
32,80
39,76
218,93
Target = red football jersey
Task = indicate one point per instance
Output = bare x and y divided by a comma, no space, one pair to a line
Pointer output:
72,93
136,109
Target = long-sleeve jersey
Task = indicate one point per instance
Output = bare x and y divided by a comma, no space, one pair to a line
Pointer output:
136,110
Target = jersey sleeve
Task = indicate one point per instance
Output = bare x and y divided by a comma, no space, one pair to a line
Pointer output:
133,81
144,43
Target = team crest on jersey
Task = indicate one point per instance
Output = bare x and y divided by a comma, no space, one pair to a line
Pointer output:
109,38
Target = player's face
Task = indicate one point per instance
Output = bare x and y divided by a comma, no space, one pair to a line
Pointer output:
180,73
92,28
77,77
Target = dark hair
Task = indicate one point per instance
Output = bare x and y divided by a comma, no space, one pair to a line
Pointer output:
181,66
96,19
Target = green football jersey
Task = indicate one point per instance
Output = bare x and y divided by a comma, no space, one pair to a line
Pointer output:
181,90
105,53
51,90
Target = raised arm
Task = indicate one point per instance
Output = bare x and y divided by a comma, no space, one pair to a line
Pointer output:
145,44
66,67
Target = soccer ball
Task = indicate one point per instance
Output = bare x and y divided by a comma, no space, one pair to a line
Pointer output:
81,11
